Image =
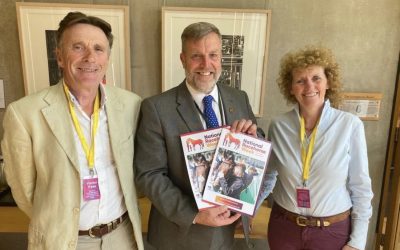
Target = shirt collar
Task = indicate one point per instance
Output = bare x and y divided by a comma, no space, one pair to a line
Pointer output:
103,96
198,96
327,104
325,112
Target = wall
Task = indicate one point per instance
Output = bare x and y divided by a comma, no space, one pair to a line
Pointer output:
364,35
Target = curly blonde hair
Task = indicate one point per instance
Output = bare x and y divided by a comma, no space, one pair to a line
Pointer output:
303,58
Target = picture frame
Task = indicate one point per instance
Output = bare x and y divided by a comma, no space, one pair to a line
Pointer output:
245,38
365,106
37,25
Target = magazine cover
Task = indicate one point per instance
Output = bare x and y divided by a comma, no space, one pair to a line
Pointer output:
237,171
198,149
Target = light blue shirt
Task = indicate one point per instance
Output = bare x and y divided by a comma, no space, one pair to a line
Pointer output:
339,177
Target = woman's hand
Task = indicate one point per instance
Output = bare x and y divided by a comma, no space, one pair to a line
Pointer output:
347,247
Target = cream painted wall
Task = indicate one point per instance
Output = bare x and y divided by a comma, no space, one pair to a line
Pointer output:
365,36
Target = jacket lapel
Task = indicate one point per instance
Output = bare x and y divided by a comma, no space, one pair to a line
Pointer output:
230,106
115,113
187,109
58,118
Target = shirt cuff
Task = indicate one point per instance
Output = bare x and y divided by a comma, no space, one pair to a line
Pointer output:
358,236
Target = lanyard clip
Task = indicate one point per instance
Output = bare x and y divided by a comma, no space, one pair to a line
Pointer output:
304,183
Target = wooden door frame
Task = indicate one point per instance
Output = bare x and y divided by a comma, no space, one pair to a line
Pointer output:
387,227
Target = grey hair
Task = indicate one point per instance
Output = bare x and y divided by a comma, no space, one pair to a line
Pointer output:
196,31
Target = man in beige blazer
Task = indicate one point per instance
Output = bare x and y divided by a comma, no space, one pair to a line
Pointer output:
68,150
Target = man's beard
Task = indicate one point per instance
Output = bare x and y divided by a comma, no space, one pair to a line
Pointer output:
202,86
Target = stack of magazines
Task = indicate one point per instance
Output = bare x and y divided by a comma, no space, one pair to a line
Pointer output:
225,168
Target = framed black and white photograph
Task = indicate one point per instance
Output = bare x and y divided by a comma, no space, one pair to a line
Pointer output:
245,36
38,23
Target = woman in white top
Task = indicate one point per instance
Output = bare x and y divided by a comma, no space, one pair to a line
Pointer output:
323,189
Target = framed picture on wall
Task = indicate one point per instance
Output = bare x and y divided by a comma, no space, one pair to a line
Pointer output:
38,23
245,36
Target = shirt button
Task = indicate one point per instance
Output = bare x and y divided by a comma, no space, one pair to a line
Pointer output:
76,210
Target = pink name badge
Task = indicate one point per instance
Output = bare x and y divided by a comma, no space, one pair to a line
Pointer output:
91,189
303,197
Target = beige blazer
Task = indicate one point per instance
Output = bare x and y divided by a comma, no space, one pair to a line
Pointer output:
41,163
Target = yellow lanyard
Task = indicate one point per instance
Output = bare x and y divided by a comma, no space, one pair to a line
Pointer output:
306,154
89,152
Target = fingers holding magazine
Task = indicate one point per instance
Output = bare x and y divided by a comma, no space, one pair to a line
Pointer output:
216,216
244,126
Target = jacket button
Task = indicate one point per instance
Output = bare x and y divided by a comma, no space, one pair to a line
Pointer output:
76,210
71,244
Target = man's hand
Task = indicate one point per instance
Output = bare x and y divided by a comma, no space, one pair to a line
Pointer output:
244,126
215,217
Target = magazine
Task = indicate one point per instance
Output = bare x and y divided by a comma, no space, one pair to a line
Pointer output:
237,171
198,149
